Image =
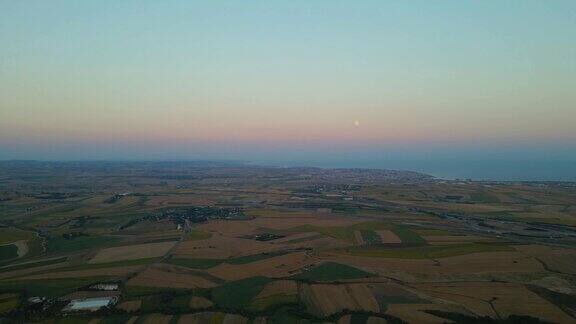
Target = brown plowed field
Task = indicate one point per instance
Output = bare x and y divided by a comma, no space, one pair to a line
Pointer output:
506,298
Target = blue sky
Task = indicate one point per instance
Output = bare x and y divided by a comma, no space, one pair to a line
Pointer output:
288,80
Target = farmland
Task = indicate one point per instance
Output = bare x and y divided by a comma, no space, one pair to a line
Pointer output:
428,252
186,242
330,271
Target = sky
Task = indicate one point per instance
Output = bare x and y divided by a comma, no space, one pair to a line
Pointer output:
324,82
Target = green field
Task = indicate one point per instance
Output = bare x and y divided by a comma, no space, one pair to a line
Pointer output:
359,318
484,197
427,252
195,263
238,294
196,235
74,320
8,252
115,319
262,304
48,287
60,244
541,218
331,271
178,304
288,314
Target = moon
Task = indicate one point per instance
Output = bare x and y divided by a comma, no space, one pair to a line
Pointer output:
356,123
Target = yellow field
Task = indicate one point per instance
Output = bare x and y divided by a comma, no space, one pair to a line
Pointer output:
325,300
132,252
162,276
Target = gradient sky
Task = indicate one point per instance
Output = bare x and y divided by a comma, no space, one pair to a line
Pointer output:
287,79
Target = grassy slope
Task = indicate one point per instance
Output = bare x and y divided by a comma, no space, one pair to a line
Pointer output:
238,294
331,271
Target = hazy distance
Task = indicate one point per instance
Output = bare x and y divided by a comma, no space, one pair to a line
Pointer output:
456,89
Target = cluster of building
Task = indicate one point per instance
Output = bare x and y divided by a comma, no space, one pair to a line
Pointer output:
92,298
88,299
182,217
200,214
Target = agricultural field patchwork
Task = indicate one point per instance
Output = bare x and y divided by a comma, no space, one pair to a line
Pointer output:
183,243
